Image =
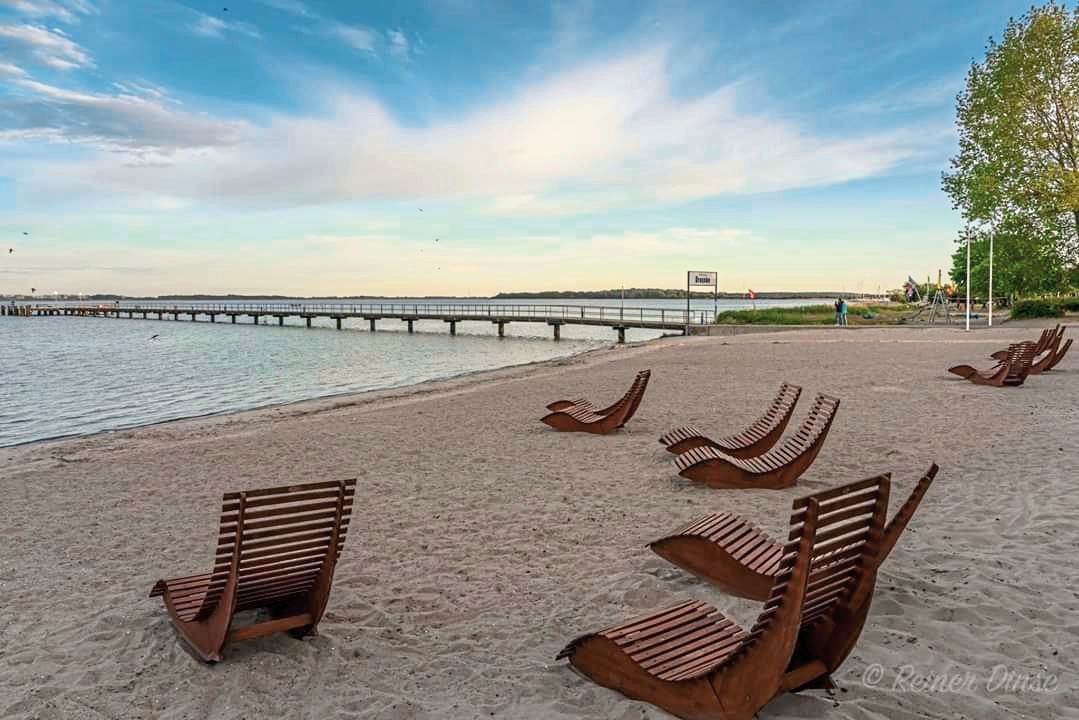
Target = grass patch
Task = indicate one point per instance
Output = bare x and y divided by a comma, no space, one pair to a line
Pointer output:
816,315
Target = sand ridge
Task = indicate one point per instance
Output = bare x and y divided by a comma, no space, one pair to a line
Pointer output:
483,541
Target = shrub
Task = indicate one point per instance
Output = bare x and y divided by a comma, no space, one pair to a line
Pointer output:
1070,304
1037,308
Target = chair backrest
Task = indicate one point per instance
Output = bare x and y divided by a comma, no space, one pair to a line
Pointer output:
642,376
1020,358
816,424
850,525
635,394
279,539
777,413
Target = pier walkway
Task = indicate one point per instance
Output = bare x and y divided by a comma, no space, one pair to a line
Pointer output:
618,319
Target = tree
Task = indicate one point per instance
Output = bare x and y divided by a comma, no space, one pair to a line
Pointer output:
1017,170
1026,261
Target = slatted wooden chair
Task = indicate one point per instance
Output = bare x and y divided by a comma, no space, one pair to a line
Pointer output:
276,552
695,663
778,468
731,552
584,418
754,440
1047,352
1011,371
563,405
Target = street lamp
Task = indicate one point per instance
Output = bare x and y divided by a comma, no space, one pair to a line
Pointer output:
968,281
991,233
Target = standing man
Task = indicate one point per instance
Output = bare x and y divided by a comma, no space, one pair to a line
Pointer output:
842,312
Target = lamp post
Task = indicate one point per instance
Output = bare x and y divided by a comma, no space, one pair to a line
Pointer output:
968,281
991,278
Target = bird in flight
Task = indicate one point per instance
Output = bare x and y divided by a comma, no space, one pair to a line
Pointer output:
153,337
25,233
10,250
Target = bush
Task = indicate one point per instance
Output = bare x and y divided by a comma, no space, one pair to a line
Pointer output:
1070,304
1037,308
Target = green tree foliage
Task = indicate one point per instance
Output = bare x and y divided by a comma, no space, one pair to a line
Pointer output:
1025,261
1017,170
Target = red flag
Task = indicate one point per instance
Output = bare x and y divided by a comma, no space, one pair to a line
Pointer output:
752,295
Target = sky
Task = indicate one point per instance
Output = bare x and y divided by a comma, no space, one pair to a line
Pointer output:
469,147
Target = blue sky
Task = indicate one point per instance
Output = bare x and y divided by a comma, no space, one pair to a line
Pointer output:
288,146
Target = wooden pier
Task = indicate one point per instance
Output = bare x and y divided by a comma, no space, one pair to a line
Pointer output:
618,319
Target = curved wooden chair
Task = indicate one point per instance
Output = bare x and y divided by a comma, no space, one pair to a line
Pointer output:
729,551
580,418
564,405
778,468
1045,350
754,440
695,663
276,552
1011,371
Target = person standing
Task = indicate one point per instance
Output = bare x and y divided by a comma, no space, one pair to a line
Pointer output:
842,312
836,306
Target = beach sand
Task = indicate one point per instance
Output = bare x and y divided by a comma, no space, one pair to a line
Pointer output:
482,541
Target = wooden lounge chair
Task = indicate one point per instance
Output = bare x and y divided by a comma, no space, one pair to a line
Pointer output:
587,419
729,551
1011,371
276,552
754,440
780,467
1047,352
693,662
563,405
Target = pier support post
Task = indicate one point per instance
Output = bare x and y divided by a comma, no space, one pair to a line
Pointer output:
453,326
143,314
160,315
176,316
308,319
338,323
372,321
255,319
409,326
212,317
280,320
501,329
621,335
557,330
234,318
192,317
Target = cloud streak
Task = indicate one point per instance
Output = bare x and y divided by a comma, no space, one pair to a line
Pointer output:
67,11
43,46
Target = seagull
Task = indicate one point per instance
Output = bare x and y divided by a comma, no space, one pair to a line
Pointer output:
153,337
25,233
420,209
33,290
436,239
10,250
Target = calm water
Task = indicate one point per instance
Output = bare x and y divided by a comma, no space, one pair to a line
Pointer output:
64,376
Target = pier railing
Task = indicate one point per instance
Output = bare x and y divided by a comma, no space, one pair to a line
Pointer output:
565,313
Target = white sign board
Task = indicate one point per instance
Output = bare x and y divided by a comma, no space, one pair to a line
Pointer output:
703,278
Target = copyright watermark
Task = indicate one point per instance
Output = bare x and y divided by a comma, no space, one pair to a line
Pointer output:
1000,679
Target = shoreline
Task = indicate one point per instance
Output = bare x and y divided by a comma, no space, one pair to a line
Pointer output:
348,398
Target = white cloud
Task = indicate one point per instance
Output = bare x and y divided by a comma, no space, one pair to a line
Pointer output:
399,46
607,135
67,11
44,46
11,71
138,122
358,38
215,27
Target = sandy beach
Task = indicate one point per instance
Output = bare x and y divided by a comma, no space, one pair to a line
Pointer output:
482,541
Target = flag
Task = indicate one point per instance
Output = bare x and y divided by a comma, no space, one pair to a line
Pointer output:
752,295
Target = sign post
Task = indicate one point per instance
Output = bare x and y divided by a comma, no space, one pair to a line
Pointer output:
696,278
